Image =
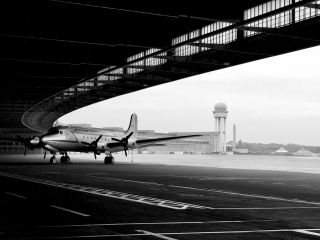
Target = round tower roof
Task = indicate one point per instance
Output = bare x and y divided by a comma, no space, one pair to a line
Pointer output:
220,107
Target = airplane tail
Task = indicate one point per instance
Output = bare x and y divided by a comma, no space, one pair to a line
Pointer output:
133,126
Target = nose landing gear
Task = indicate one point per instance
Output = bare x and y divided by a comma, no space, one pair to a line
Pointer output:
53,159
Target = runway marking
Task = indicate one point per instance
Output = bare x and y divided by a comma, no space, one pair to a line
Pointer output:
163,234
109,193
248,195
308,232
307,186
156,201
70,211
16,195
155,235
152,223
279,183
256,181
124,180
215,191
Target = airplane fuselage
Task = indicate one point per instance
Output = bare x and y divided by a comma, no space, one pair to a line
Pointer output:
78,139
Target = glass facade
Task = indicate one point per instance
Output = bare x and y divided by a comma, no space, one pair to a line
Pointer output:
186,50
281,19
220,38
275,21
155,61
304,13
152,61
138,63
278,20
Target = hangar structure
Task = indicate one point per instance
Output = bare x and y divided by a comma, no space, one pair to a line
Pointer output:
61,55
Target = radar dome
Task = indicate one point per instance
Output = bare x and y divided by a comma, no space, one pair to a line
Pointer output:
220,107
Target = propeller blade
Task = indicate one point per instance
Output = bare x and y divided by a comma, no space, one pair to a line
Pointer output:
127,137
125,151
98,139
95,156
116,139
25,150
45,154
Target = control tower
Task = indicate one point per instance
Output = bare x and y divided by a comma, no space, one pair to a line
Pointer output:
220,115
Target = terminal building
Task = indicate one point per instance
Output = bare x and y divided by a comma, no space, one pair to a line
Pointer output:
208,142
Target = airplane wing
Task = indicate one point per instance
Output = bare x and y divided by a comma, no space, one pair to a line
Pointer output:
164,139
150,141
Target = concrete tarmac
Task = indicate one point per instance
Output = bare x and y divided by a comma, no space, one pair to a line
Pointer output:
90,200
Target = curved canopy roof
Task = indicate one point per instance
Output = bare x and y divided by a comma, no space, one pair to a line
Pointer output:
58,55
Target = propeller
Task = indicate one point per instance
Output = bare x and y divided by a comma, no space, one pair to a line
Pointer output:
30,142
124,142
93,145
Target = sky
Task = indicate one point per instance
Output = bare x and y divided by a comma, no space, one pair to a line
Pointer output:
274,100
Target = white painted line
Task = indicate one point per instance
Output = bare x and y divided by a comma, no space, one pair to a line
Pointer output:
126,180
16,195
111,194
177,233
70,211
248,195
307,186
153,223
156,201
240,231
308,232
156,235
264,208
256,181
220,191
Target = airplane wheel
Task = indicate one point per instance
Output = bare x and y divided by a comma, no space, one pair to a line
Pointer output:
108,160
53,160
67,159
63,159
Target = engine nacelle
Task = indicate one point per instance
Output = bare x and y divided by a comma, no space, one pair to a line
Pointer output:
101,146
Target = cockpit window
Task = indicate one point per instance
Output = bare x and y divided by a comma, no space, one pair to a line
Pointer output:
53,131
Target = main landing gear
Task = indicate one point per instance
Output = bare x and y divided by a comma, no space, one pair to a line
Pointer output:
65,158
108,159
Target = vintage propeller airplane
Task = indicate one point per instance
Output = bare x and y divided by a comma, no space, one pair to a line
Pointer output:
64,139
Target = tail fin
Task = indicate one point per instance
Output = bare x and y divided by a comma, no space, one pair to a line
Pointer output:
133,126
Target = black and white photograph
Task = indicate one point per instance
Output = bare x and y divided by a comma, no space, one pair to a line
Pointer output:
153,120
